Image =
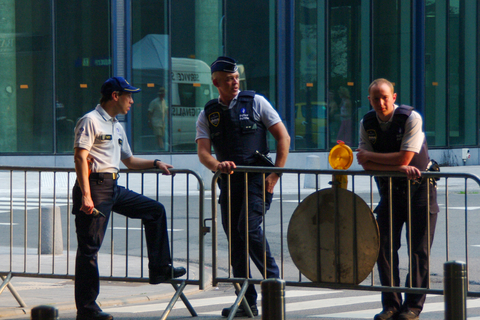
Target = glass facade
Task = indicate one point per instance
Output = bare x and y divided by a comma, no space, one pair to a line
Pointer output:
451,71
83,61
26,86
55,56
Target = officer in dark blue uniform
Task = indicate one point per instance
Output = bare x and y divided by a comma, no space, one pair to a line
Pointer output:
391,139
236,124
100,145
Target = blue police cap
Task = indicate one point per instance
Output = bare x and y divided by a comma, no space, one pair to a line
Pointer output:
225,64
117,84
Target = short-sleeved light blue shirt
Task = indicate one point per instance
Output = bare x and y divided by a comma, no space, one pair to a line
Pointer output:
104,138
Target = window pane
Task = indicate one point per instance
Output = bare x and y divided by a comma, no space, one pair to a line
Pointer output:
462,78
185,75
436,73
345,71
310,107
197,31
82,61
26,98
392,48
251,40
150,62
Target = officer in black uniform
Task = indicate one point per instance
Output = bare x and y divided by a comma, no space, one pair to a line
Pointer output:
391,139
100,145
236,124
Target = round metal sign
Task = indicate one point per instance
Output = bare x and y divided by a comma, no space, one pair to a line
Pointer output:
333,237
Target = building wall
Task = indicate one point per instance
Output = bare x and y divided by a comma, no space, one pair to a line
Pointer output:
55,55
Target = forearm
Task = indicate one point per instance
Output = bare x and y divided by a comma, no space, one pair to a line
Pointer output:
81,169
135,163
282,137
282,152
208,160
389,159
372,166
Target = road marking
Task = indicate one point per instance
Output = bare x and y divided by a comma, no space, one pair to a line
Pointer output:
368,314
6,199
463,208
208,302
132,228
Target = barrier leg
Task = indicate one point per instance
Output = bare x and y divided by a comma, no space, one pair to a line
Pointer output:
178,294
240,300
273,299
6,284
455,290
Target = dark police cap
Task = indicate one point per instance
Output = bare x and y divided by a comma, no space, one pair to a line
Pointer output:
225,64
117,84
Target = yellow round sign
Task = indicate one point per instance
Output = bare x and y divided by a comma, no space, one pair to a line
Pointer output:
341,156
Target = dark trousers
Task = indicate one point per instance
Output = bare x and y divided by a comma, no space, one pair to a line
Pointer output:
238,225
419,245
108,196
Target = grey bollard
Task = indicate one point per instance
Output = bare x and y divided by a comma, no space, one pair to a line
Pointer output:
455,290
313,162
44,313
48,247
273,299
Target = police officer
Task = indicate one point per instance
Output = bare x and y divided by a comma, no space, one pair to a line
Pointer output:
391,139
236,124
100,145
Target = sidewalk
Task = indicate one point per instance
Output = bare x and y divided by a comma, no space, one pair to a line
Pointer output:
60,292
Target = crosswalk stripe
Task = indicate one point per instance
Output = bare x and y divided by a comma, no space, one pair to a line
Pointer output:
368,314
207,302
324,303
6,199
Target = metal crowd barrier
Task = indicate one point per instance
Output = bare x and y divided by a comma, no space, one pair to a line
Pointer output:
289,196
38,239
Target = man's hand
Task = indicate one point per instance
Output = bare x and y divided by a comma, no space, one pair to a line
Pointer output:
362,156
226,167
87,204
270,182
412,172
164,167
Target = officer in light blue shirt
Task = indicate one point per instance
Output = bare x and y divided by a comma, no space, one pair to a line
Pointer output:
100,145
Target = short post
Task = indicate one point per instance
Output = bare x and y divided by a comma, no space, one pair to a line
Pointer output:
273,299
313,162
48,230
455,290
44,313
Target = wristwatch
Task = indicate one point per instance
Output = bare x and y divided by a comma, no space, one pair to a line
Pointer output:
155,162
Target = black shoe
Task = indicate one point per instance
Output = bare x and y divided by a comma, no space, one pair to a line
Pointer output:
98,315
164,274
386,315
240,311
408,315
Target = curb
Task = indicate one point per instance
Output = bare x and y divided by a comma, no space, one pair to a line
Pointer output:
6,312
